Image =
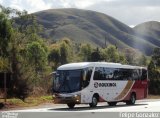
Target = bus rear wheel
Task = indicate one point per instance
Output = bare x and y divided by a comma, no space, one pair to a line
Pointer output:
94,101
112,103
132,100
71,105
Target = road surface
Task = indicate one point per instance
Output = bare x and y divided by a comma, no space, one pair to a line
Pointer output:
142,107
148,105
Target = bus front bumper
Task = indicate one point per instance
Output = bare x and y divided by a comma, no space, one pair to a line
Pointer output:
64,100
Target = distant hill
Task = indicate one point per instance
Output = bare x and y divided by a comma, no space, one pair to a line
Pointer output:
84,26
150,31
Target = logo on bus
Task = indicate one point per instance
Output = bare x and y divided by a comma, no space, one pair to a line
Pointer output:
96,84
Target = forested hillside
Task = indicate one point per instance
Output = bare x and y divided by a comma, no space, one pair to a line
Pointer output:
84,26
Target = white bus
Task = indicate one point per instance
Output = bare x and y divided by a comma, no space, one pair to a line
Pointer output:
93,82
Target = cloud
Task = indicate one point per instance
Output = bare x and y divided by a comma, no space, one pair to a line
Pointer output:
29,5
72,3
36,5
86,3
141,3
131,12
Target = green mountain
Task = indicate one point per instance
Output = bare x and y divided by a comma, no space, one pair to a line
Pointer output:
84,26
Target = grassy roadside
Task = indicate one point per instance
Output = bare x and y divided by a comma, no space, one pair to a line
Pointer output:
29,102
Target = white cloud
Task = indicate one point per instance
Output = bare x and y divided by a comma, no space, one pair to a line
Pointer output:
131,12
86,3
72,3
36,5
29,5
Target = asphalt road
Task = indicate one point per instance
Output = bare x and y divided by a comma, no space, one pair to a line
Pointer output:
84,111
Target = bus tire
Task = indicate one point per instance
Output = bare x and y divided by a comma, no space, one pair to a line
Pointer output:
94,101
112,103
132,99
71,105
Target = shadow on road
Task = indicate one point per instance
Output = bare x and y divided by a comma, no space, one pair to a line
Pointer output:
83,108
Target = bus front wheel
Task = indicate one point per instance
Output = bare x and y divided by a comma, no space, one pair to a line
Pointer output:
94,101
132,100
71,105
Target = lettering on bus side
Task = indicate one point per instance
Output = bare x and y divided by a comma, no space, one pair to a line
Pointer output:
96,84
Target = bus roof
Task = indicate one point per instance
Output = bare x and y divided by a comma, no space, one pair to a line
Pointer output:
81,65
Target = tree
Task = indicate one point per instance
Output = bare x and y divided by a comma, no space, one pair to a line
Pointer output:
54,56
64,53
133,56
4,65
122,58
110,54
85,52
95,55
156,57
154,66
37,55
142,60
154,72
10,43
15,39
60,53
5,34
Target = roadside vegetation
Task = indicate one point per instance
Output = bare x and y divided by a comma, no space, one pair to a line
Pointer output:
29,102
30,58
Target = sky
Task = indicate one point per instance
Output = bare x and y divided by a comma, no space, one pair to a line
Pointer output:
130,12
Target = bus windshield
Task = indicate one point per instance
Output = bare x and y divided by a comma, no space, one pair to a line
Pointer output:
67,81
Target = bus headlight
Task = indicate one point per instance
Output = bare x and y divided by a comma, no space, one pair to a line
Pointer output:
77,98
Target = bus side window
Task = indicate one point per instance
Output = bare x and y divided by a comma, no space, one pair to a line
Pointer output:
144,74
87,76
108,73
139,74
124,74
117,74
135,74
98,74
127,74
